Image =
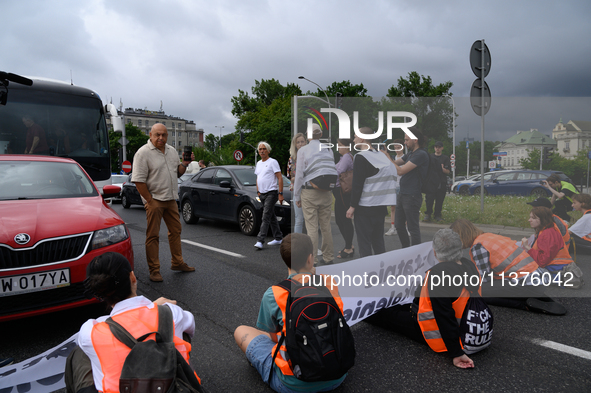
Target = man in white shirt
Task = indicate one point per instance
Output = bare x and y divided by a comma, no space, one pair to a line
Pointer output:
269,190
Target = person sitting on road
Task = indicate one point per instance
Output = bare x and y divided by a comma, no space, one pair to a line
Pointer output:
547,246
444,302
259,343
562,193
99,356
560,223
500,258
580,231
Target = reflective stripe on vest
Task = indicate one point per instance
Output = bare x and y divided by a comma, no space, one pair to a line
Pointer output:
112,353
318,162
379,189
562,257
563,229
281,294
426,317
505,256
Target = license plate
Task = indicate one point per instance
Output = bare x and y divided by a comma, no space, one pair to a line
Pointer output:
42,281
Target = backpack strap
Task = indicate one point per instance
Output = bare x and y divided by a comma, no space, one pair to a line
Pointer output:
285,284
164,333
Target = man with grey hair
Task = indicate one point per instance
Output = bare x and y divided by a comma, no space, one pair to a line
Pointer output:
432,317
269,191
315,178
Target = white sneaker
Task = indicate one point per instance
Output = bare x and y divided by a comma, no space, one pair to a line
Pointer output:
259,245
391,231
274,242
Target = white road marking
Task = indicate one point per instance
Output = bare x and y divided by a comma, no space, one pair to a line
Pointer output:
232,254
563,348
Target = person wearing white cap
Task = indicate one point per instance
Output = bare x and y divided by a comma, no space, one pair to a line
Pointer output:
315,178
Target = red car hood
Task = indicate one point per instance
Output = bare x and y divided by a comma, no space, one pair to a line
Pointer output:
48,218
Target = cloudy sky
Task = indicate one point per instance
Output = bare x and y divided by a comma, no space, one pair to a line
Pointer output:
194,55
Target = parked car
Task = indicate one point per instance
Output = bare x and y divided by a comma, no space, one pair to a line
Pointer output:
117,180
229,193
54,222
131,196
516,182
462,186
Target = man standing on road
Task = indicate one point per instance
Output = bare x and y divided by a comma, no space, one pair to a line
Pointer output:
562,193
269,190
438,196
155,171
315,178
413,168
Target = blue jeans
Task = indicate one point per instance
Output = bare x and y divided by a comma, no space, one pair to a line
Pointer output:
298,226
408,208
260,354
269,199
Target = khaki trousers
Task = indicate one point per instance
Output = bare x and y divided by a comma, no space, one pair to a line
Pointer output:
317,209
155,212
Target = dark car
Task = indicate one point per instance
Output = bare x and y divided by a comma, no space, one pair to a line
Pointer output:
517,182
131,196
229,193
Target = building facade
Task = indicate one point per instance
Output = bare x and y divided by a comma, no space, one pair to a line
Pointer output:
181,132
518,146
572,137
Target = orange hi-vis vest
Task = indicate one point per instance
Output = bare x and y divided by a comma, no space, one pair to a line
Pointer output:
505,256
112,353
426,317
281,294
587,236
562,257
562,227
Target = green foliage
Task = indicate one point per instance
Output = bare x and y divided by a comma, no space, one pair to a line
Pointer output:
515,210
418,95
265,116
575,168
418,86
462,155
136,138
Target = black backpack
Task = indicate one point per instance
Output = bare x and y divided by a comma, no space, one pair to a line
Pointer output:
432,181
319,342
476,325
154,365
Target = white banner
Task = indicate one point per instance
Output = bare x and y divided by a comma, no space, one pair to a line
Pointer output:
40,374
367,285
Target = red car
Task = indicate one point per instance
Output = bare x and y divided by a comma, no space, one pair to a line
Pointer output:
53,222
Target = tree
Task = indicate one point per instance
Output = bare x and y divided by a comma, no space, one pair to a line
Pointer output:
418,95
462,155
136,139
266,116
211,142
575,168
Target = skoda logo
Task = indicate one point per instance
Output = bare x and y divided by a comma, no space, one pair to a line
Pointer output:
22,238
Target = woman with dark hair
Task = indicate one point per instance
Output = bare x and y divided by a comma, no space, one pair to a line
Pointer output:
99,357
342,200
297,142
547,247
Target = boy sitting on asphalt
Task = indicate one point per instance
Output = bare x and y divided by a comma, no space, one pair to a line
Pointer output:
259,344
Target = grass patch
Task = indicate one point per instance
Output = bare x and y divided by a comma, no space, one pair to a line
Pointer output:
510,211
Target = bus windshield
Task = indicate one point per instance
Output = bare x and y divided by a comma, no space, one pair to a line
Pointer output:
56,119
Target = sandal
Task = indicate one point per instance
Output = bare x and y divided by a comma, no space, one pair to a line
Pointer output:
343,254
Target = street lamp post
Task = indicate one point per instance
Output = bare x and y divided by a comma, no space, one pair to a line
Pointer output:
327,101
220,127
453,119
